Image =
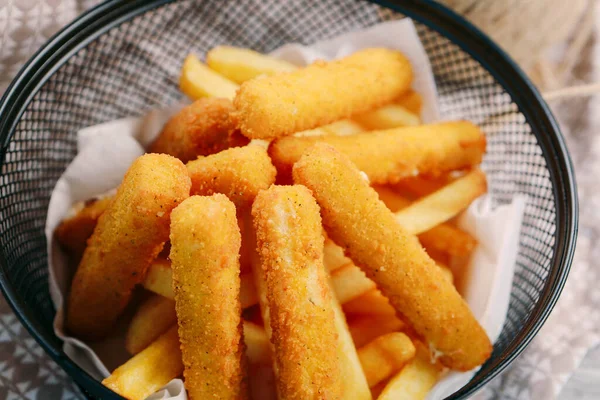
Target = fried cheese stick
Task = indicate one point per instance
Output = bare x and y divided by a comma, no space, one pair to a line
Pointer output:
200,129
388,156
321,93
128,236
303,333
205,244
239,173
354,217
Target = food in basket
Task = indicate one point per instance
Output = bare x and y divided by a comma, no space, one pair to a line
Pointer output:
359,305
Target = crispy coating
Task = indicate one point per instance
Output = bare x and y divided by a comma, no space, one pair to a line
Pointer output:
238,173
200,129
128,236
290,245
356,219
72,234
321,93
205,244
390,155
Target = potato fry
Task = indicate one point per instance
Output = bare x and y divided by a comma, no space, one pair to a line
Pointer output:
385,356
364,329
197,81
442,205
159,278
419,186
355,218
322,93
387,117
290,241
154,317
258,348
128,236
390,155
333,256
239,173
261,380
200,129
73,233
343,127
350,282
205,244
148,370
412,101
370,303
393,200
239,64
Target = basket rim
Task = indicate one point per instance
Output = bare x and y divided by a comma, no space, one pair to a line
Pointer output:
98,20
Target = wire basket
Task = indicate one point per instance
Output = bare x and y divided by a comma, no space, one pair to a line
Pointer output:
123,59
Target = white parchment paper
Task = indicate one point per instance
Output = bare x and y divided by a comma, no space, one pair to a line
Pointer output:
106,151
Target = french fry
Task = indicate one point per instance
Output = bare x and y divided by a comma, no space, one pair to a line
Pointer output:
385,356
149,370
387,117
442,205
321,93
355,218
205,244
72,234
370,303
333,256
128,236
393,200
364,329
258,348
414,381
344,127
154,317
412,101
419,186
349,282
197,81
240,65
390,155
261,380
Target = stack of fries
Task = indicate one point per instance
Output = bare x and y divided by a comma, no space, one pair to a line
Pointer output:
295,228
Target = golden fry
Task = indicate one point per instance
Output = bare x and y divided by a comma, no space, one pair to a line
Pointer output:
258,348
200,129
349,282
354,217
333,256
290,242
149,370
152,319
388,156
128,236
419,186
412,101
385,355
239,173
370,303
344,127
364,329
159,278
321,93
197,81
387,117
205,244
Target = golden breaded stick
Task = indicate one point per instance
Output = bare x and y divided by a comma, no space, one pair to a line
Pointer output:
290,242
128,236
240,65
197,81
149,370
412,101
200,129
72,234
388,156
387,117
321,93
442,205
205,244
366,328
354,217
239,173
152,319
385,355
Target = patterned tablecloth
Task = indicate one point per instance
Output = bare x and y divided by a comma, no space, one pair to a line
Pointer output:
540,373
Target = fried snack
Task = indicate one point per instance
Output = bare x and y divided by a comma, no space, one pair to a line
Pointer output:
369,303
239,173
349,282
290,241
412,101
197,81
159,278
200,129
72,234
205,244
385,356
152,319
388,156
149,370
354,217
387,117
344,127
442,205
333,256
258,348
126,239
419,186
321,93
365,329
240,65
261,380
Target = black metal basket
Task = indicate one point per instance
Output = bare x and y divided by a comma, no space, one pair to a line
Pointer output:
123,58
